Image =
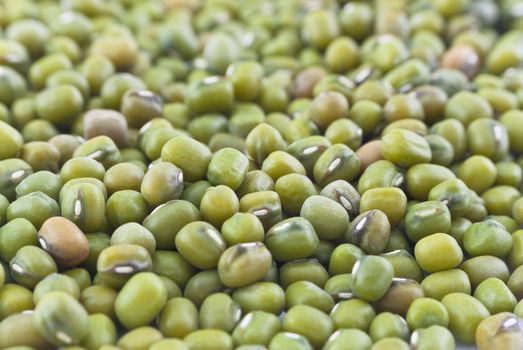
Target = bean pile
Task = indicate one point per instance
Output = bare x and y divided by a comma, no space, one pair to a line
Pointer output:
261,175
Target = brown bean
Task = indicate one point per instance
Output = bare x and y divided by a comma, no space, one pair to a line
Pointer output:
369,153
106,122
306,80
462,57
64,241
402,292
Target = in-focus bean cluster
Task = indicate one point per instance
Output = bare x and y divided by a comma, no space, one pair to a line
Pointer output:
261,175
